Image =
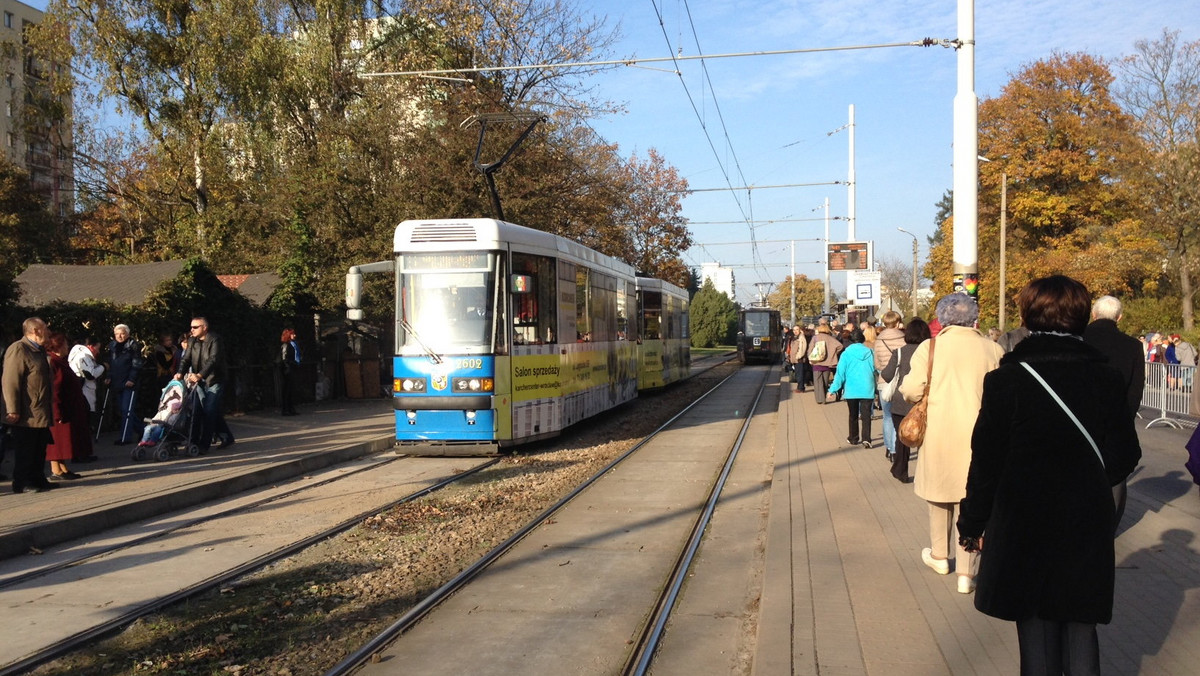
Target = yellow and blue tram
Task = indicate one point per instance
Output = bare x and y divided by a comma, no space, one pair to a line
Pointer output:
505,335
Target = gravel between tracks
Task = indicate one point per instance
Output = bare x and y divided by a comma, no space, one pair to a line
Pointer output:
304,614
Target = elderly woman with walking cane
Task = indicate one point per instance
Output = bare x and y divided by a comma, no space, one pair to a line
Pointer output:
125,362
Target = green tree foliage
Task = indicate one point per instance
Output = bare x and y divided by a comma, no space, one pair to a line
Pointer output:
1140,316
28,233
713,317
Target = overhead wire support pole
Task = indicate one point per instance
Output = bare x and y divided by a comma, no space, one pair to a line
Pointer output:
923,42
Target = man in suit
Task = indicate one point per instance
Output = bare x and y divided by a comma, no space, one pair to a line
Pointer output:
1125,354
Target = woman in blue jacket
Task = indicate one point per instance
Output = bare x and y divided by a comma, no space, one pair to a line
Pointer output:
855,378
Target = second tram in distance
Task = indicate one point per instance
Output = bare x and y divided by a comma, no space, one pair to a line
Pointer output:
760,335
505,335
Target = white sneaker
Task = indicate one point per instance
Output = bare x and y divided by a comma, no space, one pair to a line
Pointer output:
939,566
966,584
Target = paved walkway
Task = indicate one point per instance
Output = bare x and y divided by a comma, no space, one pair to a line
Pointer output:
116,490
845,591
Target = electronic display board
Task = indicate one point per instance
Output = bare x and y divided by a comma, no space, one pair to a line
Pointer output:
849,256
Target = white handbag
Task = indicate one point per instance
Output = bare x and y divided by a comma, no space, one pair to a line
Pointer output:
890,387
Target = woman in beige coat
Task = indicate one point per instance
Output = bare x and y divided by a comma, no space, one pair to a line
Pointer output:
961,357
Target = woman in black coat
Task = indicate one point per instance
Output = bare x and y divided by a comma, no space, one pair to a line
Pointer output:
1039,504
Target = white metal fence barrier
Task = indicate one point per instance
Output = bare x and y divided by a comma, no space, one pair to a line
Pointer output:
1168,393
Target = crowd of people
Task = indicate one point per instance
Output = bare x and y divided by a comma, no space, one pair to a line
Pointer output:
1029,439
57,397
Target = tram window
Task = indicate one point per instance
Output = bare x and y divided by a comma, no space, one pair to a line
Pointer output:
651,315
446,308
583,325
602,306
532,285
685,320
625,301
566,301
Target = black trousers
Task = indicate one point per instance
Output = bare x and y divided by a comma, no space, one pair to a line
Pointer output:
1051,648
903,453
28,445
287,397
859,419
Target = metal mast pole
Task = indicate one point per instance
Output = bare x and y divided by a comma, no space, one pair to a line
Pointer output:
966,164
792,315
850,182
1003,242
825,307
916,260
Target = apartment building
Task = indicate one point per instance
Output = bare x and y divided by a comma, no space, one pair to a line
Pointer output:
42,149
722,278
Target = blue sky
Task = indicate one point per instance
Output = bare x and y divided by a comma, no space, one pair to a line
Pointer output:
780,111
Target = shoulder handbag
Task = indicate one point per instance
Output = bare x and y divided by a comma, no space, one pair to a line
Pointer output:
912,428
889,388
1054,395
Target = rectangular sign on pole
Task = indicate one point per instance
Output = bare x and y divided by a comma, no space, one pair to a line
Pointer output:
849,256
863,287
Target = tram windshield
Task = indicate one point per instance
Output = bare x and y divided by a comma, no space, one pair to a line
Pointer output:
758,324
444,303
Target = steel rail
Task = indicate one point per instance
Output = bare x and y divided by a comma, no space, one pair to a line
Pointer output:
423,607
643,653
82,638
142,539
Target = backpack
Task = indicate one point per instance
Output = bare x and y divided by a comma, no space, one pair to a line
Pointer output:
817,353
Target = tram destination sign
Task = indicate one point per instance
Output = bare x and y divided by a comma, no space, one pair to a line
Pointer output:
849,255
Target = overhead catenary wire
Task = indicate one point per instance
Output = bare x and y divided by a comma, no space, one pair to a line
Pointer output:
696,110
632,61
769,221
760,187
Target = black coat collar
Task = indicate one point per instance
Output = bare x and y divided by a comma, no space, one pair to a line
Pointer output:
1044,348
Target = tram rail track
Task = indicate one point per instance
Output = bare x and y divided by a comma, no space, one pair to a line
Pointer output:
648,636
91,555
99,630
93,634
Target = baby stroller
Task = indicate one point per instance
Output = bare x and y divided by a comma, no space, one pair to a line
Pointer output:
169,432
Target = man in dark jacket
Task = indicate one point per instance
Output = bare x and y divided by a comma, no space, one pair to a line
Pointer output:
125,363
1125,354
204,364
27,406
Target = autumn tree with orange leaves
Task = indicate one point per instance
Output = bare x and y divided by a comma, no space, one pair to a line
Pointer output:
1060,138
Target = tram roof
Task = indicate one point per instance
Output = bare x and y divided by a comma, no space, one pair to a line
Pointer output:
470,234
650,283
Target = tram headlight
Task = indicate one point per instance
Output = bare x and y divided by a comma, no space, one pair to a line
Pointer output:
470,417
473,384
412,417
408,385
